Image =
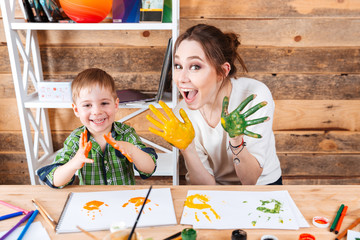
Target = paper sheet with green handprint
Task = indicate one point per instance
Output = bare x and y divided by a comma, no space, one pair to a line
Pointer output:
237,209
235,123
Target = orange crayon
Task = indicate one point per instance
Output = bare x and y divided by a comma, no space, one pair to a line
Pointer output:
338,225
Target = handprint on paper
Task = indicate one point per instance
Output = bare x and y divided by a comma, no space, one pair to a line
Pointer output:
200,202
138,202
93,208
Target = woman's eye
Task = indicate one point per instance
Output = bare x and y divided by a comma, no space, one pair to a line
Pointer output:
177,66
195,67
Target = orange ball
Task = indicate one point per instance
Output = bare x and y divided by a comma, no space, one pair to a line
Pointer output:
86,11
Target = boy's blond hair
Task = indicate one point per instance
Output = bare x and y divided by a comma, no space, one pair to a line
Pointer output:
92,78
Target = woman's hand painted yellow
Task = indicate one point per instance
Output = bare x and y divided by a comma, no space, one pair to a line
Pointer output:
177,133
235,123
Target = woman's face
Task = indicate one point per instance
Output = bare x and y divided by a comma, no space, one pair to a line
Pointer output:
194,76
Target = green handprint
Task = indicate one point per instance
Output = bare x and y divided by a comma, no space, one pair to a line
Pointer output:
235,123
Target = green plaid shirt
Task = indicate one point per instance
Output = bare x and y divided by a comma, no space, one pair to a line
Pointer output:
109,168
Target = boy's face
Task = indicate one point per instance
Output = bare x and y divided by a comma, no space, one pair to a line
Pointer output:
96,109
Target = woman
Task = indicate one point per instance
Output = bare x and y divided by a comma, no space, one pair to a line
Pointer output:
219,144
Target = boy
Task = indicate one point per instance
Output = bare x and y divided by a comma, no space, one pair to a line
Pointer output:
102,151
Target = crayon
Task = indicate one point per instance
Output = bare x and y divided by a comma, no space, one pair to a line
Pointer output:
338,225
10,215
31,219
17,225
336,219
343,233
13,207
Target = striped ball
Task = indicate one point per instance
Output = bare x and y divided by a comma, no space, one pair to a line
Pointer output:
86,11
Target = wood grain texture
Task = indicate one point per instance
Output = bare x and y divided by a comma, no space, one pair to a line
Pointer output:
282,86
321,200
280,32
261,8
258,59
268,9
292,32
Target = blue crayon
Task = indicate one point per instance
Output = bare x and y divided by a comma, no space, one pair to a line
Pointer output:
15,214
31,219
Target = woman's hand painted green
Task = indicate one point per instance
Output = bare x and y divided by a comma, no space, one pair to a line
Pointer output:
235,123
177,133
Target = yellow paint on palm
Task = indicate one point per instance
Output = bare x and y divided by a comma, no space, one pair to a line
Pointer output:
177,133
203,199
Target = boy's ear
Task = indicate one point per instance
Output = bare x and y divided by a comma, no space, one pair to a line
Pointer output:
76,110
117,103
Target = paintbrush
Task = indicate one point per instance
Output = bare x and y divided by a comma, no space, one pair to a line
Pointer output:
137,219
87,233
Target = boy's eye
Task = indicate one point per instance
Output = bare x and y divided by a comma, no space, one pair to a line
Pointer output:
87,105
105,103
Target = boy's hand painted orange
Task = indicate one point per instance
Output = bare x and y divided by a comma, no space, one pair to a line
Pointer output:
112,142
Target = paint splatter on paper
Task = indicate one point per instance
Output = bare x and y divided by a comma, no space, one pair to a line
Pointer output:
94,208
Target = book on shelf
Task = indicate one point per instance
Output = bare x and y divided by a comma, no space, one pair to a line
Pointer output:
126,11
37,11
151,10
167,12
51,10
164,88
29,16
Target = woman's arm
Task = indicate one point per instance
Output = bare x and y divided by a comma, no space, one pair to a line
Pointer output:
197,173
246,165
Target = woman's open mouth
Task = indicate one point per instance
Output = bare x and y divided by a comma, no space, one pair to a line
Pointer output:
189,94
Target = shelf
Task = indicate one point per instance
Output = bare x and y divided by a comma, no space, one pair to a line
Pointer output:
20,24
34,102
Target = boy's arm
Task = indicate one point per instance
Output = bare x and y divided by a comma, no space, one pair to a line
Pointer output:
142,160
65,173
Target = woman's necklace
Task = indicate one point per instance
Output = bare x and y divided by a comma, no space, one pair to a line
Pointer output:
215,110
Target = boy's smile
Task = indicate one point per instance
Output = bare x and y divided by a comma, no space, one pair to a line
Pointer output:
96,109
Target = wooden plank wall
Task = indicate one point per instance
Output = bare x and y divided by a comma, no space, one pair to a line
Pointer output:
307,52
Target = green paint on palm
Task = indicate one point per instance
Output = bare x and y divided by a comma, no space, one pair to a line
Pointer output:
235,123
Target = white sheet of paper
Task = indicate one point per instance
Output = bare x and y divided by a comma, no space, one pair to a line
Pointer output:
35,231
117,207
299,217
352,235
238,209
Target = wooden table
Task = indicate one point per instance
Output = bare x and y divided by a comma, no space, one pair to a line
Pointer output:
314,200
